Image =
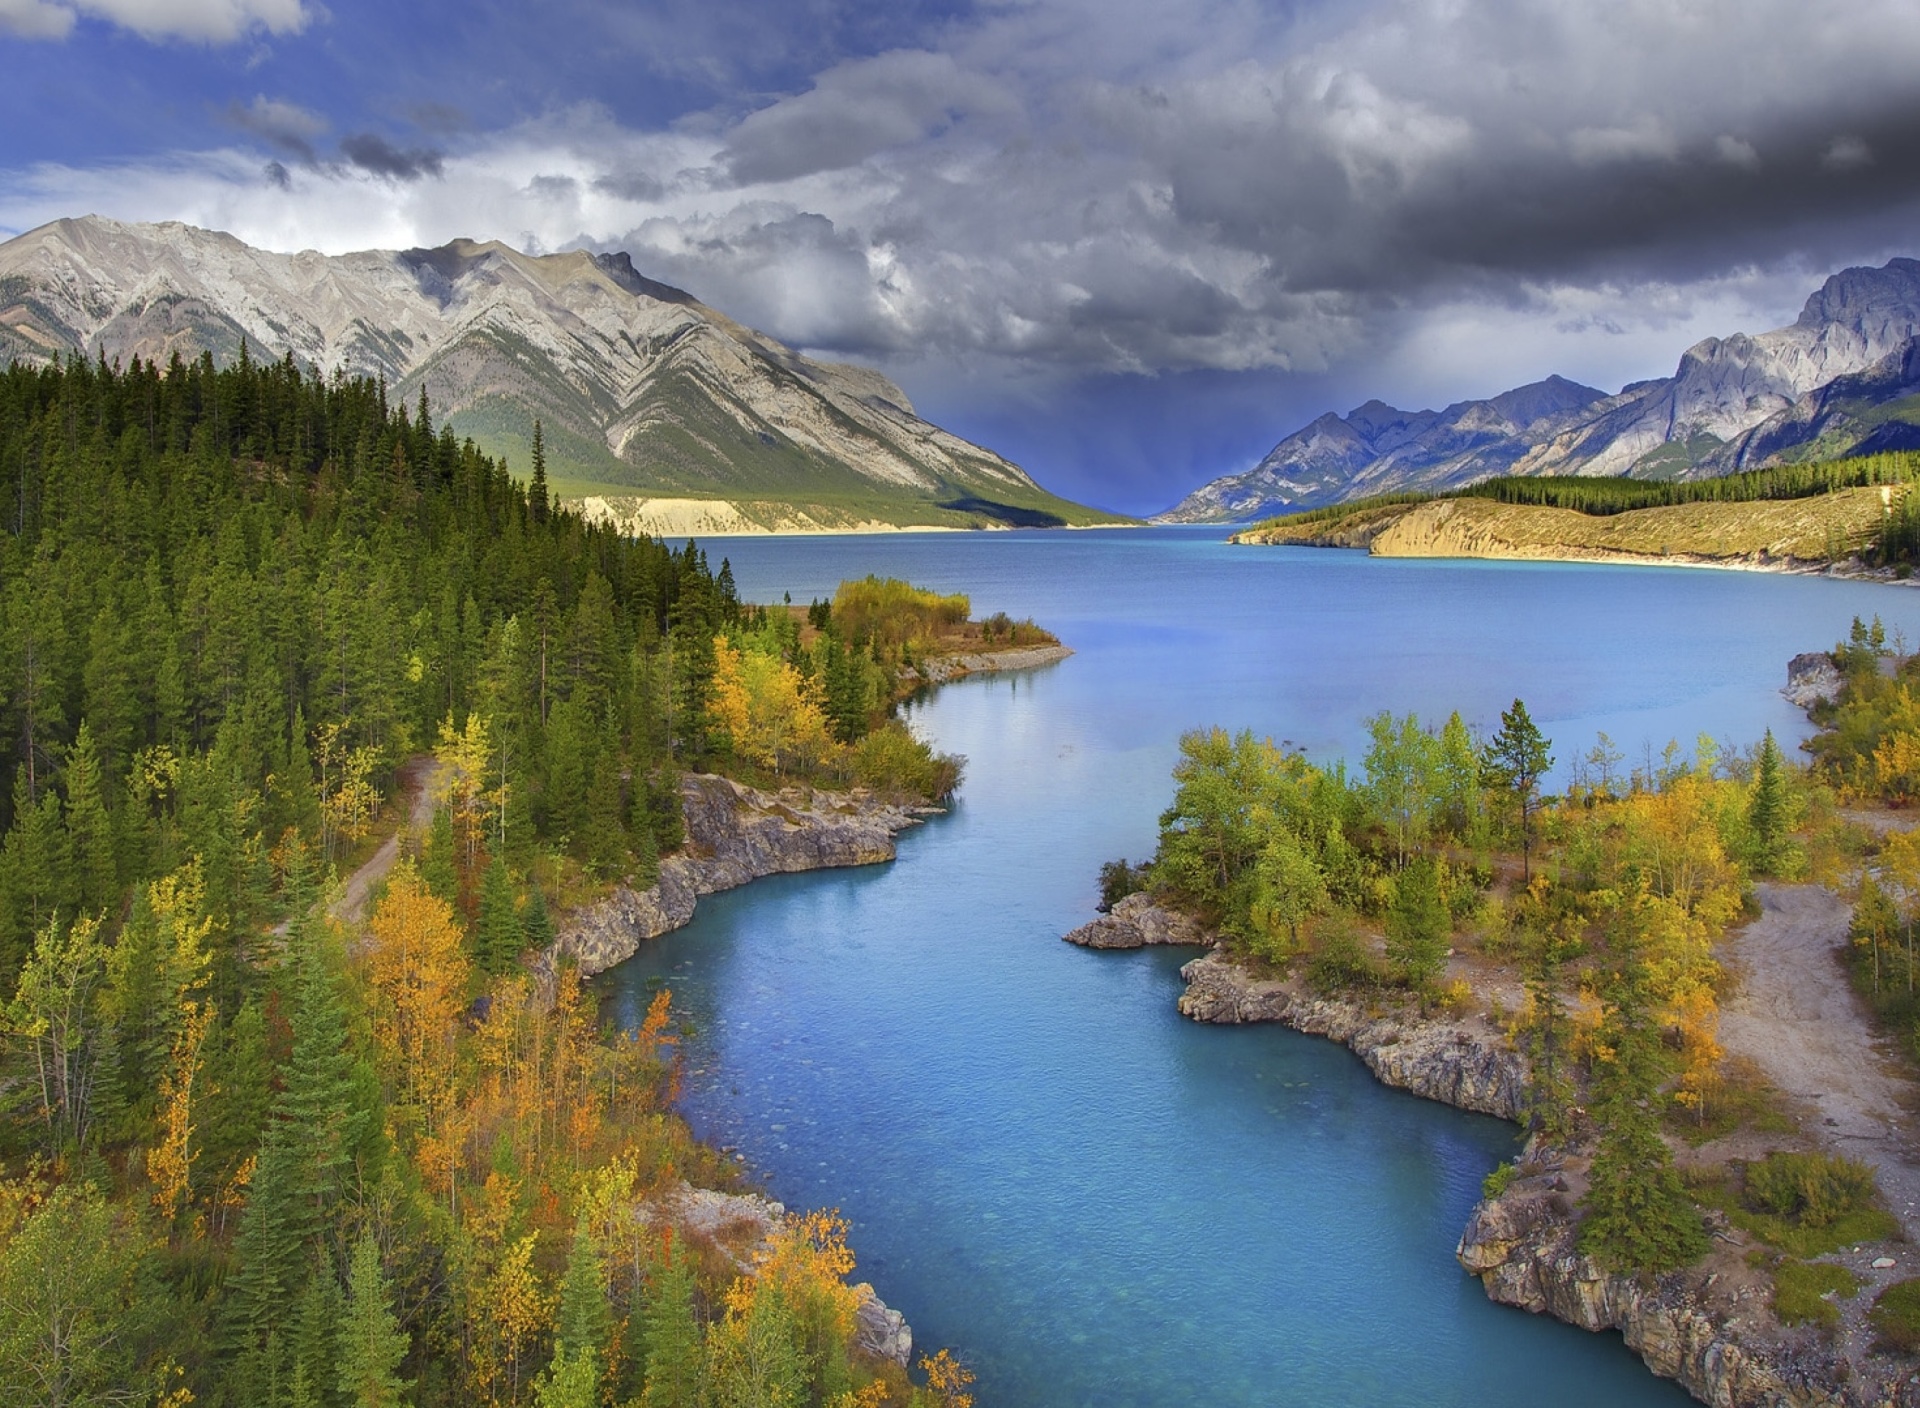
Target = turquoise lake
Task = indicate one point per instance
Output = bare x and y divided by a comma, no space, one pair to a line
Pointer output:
1089,1199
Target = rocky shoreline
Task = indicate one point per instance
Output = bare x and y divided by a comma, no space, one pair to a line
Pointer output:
735,834
1710,1327
944,669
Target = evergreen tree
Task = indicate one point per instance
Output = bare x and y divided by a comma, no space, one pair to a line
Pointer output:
585,1322
607,853
671,1336
89,829
1517,759
1418,924
439,859
535,922
1637,1216
323,1109
537,505
1768,806
500,935
371,1341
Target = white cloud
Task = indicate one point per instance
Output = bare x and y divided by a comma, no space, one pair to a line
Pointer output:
35,19
209,21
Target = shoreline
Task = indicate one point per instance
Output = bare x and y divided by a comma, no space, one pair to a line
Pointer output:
1697,1326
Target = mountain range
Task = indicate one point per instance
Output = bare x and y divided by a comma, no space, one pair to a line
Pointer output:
655,409
1843,378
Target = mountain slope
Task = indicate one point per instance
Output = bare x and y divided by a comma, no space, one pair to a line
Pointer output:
641,388
1844,375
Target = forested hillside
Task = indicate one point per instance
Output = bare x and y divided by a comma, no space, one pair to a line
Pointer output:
248,1156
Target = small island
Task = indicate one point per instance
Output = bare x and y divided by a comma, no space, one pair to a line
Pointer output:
1684,980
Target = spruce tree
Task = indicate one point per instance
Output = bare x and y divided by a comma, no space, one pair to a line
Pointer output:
1517,759
1418,924
535,922
439,859
371,1342
607,853
537,505
89,829
585,1321
500,935
1637,1216
1768,806
671,1336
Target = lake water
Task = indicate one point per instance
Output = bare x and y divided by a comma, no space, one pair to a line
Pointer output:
1091,1200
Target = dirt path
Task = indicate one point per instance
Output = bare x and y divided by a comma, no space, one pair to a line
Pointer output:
1795,1015
416,777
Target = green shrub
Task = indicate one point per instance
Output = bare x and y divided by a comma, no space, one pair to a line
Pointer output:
1814,1190
1341,962
894,763
1497,1182
1801,1288
1896,1317
1118,879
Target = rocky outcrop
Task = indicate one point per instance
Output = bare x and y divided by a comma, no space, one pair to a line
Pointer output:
945,668
735,834
1707,1327
1461,1063
740,1225
1812,679
1137,922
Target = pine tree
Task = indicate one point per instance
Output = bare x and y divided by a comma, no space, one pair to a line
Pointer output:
1517,759
1768,805
440,860
535,922
671,1336
500,935
323,1107
89,829
1418,923
1637,1215
585,1321
537,506
371,1341
607,853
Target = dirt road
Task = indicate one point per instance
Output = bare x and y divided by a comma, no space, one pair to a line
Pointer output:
1795,1015
416,778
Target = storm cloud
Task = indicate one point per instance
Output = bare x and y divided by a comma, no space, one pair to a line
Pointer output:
1411,198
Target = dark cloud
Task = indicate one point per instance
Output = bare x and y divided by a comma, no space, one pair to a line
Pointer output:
857,110
373,153
287,127
278,175
631,185
441,119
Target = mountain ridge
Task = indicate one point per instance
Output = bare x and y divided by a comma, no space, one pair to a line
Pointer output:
641,389
1844,376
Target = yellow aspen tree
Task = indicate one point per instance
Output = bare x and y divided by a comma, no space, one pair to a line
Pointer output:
170,1165
417,965
1697,1016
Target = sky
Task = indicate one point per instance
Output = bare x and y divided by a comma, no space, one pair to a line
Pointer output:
1129,243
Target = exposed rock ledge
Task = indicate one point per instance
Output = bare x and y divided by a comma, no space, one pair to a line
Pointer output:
942,669
1464,1064
735,834
1706,1327
1709,1328
1136,922
741,1223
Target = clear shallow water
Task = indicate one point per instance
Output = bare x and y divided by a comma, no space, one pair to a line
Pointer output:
1092,1200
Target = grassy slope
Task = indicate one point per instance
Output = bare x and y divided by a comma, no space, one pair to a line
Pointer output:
1803,529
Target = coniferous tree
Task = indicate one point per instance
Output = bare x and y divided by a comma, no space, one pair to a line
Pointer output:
671,1336
500,935
89,829
1418,923
1637,1216
1768,805
371,1342
537,505
1517,759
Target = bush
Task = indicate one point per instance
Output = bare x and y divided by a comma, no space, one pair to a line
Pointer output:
1814,1190
1801,1288
1454,999
1118,879
894,763
1497,1182
1341,962
1896,1317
